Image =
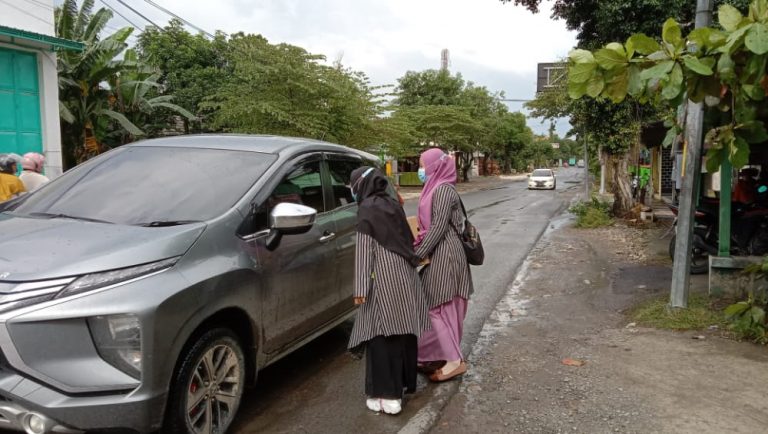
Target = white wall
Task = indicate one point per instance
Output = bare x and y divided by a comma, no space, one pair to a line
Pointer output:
33,16
37,16
49,113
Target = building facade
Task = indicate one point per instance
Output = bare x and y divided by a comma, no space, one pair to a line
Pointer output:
29,96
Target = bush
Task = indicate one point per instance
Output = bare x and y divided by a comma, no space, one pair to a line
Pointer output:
747,318
592,214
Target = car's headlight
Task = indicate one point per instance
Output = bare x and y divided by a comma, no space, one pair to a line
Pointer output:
93,281
118,341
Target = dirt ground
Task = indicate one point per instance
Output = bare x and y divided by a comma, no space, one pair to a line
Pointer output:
569,302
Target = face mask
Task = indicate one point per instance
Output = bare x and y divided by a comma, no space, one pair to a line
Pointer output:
352,188
422,175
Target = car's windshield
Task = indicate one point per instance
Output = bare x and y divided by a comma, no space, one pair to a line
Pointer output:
153,186
542,172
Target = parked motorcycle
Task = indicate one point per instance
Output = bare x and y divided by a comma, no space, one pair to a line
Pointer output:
749,232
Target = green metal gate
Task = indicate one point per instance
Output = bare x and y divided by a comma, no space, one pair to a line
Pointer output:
20,130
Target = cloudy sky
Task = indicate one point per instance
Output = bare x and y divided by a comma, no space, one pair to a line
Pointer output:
492,44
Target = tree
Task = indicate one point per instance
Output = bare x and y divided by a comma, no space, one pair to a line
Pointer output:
444,110
512,135
283,89
429,87
134,92
83,102
725,68
615,128
192,67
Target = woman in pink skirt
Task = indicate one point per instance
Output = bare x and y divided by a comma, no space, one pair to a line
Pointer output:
446,280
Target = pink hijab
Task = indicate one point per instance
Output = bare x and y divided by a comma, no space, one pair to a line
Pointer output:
440,169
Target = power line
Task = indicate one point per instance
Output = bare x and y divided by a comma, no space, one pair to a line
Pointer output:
138,13
40,4
121,15
179,18
26,13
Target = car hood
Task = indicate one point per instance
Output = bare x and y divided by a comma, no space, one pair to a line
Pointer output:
37,249
541,178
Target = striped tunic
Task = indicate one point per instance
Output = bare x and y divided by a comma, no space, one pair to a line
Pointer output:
448,273
394,302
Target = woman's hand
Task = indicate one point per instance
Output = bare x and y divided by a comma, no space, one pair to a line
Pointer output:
359,300
424,261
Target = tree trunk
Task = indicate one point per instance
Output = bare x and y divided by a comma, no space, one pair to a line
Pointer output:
620,185
486,161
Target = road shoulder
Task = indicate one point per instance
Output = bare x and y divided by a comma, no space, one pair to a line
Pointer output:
567,303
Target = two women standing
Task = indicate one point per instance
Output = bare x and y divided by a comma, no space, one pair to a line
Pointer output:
396,306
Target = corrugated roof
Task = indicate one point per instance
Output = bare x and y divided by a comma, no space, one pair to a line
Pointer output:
51,42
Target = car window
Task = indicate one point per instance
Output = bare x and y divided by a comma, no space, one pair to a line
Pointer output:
341,172
151,184
303,186
542,172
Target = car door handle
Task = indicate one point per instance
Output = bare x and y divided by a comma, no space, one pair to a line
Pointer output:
327,236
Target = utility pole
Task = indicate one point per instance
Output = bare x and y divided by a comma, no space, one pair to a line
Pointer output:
690,189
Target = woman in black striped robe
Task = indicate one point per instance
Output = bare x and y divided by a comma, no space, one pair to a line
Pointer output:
393,311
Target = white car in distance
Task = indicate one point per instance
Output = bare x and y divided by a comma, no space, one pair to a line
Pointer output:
542,179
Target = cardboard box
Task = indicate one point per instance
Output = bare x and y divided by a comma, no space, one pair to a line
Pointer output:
413,222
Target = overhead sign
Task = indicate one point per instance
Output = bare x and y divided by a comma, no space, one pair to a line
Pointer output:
550,75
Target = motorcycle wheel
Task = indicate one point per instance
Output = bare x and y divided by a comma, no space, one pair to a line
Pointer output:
699,259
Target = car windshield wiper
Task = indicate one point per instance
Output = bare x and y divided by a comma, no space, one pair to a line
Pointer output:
66,216
163,223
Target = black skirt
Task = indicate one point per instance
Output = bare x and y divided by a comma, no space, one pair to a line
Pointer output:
390,366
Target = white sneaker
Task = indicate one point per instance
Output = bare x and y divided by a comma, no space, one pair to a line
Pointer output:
373,404
391,406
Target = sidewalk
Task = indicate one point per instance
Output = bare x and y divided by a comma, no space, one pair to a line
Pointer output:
568,302
476,183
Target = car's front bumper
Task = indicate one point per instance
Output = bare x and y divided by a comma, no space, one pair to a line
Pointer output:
21,397
545,186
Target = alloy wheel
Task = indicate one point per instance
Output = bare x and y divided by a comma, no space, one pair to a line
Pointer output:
214,391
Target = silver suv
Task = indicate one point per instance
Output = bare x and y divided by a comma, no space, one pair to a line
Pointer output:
144,289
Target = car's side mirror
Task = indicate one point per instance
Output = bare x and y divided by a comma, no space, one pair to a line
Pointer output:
289,219
292,218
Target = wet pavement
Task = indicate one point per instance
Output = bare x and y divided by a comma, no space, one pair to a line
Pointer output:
319,389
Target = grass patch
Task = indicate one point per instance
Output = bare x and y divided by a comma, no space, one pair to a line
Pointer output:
592,214
702,312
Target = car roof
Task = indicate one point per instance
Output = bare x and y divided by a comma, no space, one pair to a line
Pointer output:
266,144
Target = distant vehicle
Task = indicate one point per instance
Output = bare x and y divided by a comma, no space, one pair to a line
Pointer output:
580,163
542,179
572,162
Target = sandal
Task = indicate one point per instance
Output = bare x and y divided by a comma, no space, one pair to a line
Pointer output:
429,368
439,376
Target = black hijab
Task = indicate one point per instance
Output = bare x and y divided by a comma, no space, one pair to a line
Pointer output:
379,215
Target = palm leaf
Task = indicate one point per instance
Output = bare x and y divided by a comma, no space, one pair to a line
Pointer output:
65,114
65,19
123,121
96,25
161,98
83,17
178,109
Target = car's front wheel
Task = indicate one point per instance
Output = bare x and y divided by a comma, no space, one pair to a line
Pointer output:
208,385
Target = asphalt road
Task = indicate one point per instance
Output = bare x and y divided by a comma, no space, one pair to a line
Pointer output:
319,389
